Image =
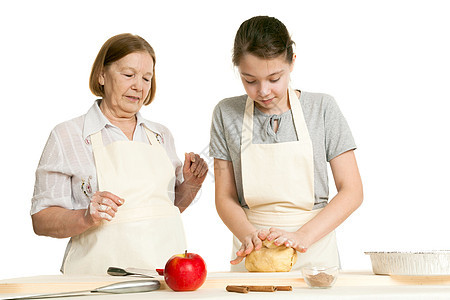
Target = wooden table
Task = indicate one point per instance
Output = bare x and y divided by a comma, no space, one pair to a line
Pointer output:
349,285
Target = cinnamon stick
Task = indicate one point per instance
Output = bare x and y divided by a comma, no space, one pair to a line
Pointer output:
257,288
261,288
283,288
237,288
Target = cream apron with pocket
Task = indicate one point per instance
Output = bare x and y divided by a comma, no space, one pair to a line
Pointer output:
147,229
278,185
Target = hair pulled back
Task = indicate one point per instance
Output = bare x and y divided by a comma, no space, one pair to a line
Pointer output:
262,36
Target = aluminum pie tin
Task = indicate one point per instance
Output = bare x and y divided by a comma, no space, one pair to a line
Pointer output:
421,263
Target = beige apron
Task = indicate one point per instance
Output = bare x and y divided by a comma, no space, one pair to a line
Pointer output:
278,185
147,229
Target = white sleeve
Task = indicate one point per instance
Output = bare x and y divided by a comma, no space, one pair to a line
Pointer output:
53,184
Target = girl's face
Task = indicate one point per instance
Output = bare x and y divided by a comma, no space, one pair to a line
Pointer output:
266,82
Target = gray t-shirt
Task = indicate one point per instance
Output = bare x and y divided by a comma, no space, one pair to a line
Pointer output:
328,129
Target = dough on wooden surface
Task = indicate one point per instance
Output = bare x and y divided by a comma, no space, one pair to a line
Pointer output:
271,258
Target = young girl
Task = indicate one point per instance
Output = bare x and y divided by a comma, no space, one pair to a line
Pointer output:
270,150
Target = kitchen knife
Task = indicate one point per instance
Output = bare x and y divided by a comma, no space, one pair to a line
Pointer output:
115,271
135,286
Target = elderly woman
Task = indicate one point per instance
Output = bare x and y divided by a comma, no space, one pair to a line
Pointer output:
110,179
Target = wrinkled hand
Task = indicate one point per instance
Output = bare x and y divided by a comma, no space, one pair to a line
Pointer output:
195,169
252,242
289,239
103,206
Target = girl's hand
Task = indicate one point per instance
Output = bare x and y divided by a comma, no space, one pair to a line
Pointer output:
252,242
289,239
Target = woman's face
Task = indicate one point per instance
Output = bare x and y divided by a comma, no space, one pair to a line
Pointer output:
266,81
127,83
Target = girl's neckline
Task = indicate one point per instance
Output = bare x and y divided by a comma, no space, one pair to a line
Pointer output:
257,110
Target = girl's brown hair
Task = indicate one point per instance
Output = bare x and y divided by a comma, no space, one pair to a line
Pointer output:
264,37
114,49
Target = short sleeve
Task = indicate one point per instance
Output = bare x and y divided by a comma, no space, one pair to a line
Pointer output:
338,137
53,184
218,145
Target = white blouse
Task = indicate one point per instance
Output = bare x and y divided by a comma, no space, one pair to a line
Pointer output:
66,175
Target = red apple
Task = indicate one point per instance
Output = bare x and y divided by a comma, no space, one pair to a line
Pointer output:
185,272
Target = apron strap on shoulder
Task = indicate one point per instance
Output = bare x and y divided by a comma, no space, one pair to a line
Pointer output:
151,136
97,140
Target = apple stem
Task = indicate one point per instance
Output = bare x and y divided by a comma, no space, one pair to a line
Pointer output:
185,253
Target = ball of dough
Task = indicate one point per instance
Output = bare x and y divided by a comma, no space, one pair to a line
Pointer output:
271,258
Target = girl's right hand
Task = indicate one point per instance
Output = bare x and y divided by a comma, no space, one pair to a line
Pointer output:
251,242
103,206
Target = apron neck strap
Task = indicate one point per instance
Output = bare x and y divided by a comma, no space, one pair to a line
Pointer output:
97,140
297,116
247,123
151,136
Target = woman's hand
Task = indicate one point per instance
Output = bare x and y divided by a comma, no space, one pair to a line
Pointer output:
289,239
103,206
251,242
194,169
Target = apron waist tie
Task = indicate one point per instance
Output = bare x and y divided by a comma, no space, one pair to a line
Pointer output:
280,219
143,213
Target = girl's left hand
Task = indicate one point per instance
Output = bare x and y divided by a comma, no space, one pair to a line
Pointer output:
289,239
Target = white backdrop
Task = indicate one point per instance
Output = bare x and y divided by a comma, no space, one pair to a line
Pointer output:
386,63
